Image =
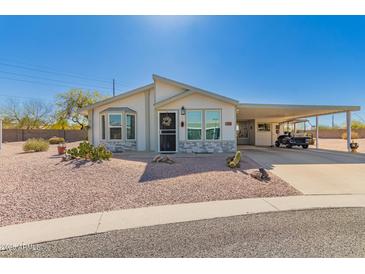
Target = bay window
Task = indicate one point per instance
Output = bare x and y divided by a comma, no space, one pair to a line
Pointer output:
103,127
131,126
115,126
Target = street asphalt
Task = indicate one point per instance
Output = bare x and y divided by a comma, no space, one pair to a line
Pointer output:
338,232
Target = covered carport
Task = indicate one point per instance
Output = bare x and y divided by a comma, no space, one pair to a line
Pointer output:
277,114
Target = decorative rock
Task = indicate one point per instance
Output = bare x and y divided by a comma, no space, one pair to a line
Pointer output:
163,159
261,175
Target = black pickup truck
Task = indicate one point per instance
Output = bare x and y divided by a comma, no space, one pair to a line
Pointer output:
289,141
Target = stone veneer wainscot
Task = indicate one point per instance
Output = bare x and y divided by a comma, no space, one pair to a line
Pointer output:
207,146
120,146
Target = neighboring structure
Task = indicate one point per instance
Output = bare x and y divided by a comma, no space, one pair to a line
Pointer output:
169,116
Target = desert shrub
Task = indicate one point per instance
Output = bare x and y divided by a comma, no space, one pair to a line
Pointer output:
56,140
35,145
354,135
87,151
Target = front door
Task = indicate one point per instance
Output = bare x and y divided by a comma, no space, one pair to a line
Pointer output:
167,130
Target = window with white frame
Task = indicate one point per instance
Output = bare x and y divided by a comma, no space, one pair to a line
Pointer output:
115,126
194,124
212,124
263,127
131,126
103,125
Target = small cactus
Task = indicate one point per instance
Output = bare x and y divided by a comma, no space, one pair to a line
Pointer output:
89,152
234,162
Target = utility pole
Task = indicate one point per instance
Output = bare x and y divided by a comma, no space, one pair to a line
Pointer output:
333,120
113,87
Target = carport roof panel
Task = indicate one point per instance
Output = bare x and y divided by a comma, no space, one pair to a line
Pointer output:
281,113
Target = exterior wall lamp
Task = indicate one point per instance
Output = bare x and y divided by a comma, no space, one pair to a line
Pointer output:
183,111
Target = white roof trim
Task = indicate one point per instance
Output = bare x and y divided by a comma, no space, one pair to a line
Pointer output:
194,89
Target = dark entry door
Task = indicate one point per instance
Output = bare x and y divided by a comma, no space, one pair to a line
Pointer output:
167,128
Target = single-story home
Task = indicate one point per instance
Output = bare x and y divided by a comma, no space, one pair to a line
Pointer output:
170,116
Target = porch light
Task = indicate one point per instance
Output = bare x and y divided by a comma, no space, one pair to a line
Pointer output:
183,110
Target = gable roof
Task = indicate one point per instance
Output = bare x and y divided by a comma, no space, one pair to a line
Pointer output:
117,97
188,91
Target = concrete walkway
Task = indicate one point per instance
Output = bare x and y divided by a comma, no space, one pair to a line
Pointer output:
79,225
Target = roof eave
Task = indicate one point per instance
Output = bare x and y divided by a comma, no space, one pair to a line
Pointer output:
118,97
334,107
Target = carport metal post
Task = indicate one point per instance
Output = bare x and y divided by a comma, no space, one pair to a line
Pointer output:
317,133
348,129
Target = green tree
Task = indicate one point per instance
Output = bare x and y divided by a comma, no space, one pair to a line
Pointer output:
355,124
69,104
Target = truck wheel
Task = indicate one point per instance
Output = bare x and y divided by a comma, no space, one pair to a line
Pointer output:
305,146
277,144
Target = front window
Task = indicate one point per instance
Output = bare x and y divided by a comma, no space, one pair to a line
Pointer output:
115,126
212,125
194,125
131,127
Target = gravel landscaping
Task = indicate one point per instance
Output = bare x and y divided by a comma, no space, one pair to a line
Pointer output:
35,186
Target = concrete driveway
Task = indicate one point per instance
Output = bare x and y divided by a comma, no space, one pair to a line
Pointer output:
314,171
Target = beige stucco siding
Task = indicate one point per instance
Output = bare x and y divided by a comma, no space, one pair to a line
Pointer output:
201,102
165,90
135,102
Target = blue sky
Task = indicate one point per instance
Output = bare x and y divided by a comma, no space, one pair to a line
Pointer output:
255,59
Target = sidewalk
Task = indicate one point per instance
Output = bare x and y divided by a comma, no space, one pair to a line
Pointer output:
79,225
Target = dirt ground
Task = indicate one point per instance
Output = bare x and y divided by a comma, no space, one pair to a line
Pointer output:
339,144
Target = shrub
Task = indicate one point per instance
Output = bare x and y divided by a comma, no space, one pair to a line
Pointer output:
354,135
89,152
56,140
35,145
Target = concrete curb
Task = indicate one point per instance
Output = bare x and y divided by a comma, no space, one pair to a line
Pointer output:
86,224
